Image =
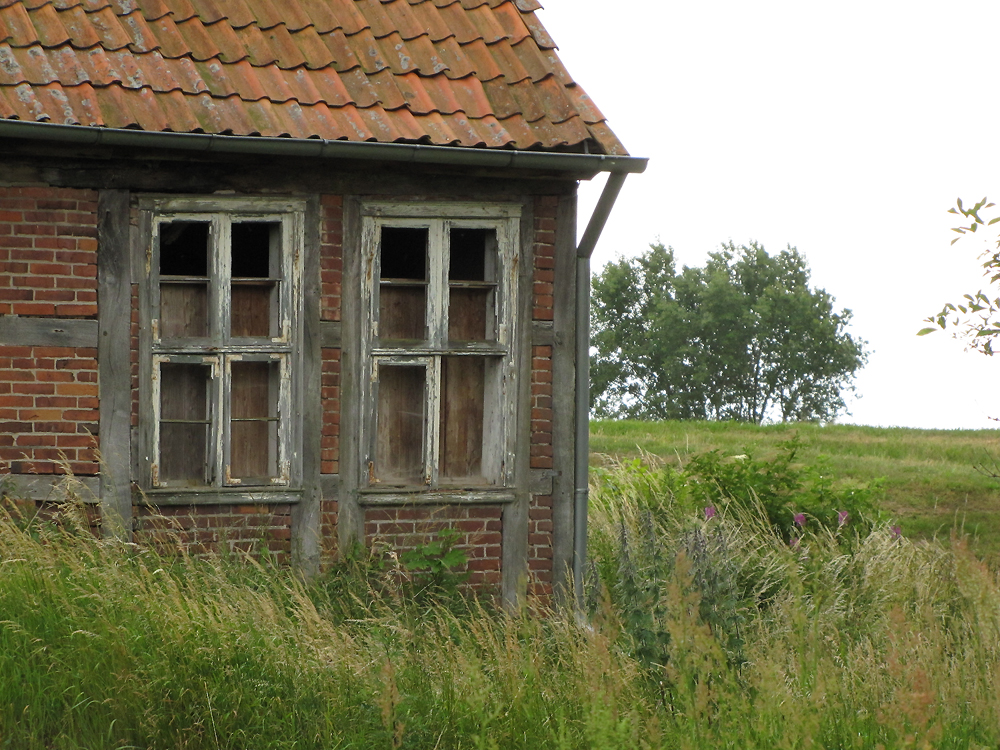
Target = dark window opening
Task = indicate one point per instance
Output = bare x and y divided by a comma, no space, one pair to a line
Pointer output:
255,271
403,253
251,249
468,253
184,264
184,248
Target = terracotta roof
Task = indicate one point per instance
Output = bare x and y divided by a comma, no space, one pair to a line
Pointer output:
474,73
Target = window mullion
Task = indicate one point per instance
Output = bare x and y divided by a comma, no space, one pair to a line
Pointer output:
432,426
221,240
437,291
437,313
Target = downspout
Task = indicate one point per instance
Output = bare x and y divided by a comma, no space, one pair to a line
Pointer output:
581,493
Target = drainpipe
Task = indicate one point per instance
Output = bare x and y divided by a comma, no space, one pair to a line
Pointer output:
581,493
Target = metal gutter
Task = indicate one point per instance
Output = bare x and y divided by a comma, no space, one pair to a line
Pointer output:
581,493
318,148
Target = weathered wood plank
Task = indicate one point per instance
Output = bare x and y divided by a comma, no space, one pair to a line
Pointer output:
542,481
406,499
351,517
543,332
563,400
219,497
330,334
18,331
114,371
173,172
306,516
53,488
514,556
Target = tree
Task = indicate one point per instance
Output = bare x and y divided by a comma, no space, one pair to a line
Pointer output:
744,338
978,317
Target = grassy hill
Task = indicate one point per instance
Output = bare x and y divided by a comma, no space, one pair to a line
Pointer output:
932,484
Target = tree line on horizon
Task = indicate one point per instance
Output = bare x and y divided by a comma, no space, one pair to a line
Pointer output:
744,338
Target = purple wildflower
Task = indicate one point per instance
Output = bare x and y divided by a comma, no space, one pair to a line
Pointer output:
897,532
709,512
800,520
793,542
843,517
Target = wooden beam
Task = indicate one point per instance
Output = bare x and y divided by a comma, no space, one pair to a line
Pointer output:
330,334
17,331
114,369
306,515
514,561
52,488
564,400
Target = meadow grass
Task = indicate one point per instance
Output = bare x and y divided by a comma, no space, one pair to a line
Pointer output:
930,477
699,632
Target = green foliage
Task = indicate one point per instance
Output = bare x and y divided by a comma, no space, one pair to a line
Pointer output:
745,338
781,488
927,476
438,566
846,643
977,318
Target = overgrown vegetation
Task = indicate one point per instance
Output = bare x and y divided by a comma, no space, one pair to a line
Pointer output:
704,629
931,480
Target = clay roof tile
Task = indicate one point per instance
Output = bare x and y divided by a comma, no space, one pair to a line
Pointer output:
143,39
153,9
344,58
287,53
48,27
181,10
471,73
20,30
256,46
171,42
430,20
310,44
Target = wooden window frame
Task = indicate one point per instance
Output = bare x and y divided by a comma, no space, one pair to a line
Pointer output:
220,349
499,443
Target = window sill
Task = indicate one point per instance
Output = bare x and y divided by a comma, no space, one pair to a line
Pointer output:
218,496
436,497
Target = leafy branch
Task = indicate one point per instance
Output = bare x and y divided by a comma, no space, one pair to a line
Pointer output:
977,317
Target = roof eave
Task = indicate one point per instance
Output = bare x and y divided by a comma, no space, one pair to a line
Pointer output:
575,164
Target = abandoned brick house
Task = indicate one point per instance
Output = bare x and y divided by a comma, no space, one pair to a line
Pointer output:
300,273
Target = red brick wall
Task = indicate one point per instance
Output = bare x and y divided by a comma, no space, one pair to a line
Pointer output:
206,529
48,251
48,268
480,526
48,410
331,255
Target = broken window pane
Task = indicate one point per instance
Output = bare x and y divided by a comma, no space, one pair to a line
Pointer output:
403,283
472,282
185,419
254,420
399,440
462,402
184,255
256,275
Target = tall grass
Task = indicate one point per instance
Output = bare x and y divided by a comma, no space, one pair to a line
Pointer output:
702,632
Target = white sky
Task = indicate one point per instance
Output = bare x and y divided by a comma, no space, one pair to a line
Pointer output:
844,129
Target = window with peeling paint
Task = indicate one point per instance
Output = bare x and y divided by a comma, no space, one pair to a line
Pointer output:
439,347
223,308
